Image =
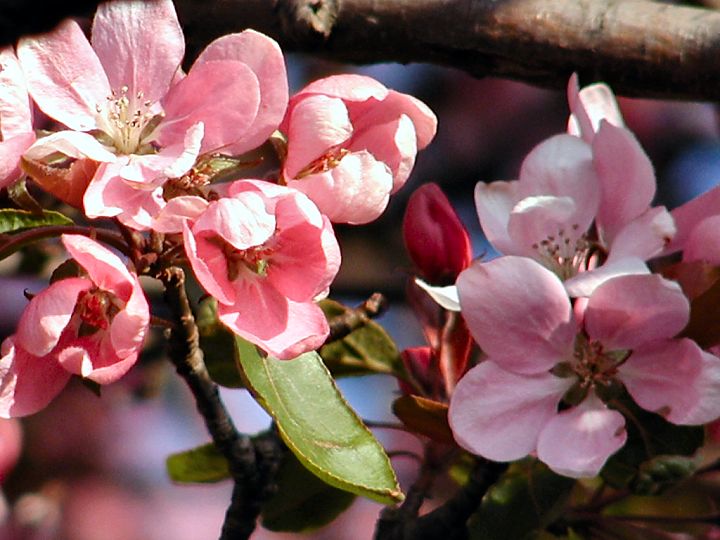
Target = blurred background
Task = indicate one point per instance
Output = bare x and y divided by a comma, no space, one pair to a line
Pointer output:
92,468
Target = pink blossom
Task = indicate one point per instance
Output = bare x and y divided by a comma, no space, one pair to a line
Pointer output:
131,108
581,202
543,352
16,129
91,326
351,143
697,228
266,253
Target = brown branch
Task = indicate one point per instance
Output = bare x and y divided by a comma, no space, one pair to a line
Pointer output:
354,318
252,463
640,47
448,521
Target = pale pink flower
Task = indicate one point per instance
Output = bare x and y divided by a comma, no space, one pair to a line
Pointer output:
579,204
130,107
351,143
91,326
540,347
266,254
16,130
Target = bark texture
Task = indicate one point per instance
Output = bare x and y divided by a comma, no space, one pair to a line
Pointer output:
639,47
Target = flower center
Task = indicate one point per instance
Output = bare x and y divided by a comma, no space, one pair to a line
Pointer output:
256,259
96,309
593,366
126,120
562,254
324,163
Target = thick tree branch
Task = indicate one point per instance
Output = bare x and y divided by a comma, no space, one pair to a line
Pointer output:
640,47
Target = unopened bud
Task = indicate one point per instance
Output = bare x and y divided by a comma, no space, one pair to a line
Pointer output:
435,237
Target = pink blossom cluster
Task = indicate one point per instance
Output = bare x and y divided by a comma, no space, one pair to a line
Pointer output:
570,315
141,136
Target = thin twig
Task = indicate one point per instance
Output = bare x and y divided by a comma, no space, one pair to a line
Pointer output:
354,318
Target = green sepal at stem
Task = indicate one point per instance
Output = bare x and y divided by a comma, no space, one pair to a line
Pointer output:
202,465
366,350
318,425
302,502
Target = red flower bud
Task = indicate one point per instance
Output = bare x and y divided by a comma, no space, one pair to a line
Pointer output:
435,237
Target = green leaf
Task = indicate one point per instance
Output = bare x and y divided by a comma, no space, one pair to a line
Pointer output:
366,350
649,435
318,425
218,345
14,220
527,498
204,464
303,502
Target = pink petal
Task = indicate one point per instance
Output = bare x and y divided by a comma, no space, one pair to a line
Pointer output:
224,95
306,330
264,57
48,313
15,111
585,283
243,220
562,166
64,75
27,383
390,109
630,311
578,441
534,221
73,144
109,195
104,268
645,237
518,312
494,202
261,313
499,415
589,107
356,191
671,378
10,152
703,243
129,326
178,210
348,87
690,214
210,266
304,262
394,144
626,176
140,45
317,125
